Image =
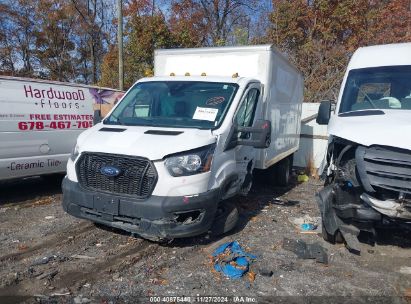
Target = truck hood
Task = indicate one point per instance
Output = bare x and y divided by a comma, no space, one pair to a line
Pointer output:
388,128
151,142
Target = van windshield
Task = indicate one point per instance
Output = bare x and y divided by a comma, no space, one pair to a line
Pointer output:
377,88
175,104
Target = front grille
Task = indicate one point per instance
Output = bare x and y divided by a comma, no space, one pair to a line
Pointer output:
137,175
386,168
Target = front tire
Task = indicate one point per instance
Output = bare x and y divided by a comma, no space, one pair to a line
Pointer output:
226,218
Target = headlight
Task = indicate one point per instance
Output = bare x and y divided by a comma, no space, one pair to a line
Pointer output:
190,162
74,153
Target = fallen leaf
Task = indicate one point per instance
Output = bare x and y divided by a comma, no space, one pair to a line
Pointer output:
251,276
23,247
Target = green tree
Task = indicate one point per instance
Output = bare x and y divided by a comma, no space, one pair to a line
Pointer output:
145,34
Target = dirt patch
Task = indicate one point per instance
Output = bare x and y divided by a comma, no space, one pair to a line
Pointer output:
49,256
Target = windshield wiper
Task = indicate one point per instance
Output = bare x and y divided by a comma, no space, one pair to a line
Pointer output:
116,122
136,121
367,112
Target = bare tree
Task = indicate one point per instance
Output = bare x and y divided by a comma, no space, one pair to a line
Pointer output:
223,16
93,20
17,41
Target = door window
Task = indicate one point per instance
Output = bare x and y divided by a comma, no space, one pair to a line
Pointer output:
141,105
246,112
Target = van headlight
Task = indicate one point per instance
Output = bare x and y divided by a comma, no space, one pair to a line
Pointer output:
74,153
190,162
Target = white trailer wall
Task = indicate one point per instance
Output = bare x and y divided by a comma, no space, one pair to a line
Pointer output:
248,61
313,138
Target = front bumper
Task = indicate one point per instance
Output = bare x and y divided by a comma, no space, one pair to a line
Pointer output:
157,217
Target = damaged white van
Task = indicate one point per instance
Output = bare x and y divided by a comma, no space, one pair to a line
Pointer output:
162,162
368,164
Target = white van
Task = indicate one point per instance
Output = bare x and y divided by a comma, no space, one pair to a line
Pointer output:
368,165
41,120
163,161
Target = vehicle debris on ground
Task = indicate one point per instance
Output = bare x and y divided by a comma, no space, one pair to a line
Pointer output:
306,251
231,260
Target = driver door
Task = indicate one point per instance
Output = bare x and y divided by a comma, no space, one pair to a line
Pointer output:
249,110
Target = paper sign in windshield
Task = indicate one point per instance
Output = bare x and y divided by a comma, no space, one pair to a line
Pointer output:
209,114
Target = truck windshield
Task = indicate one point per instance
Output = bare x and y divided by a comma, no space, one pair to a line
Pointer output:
377,88
175,104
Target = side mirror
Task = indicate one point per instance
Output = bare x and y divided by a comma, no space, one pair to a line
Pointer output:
96,117
260,135
324,112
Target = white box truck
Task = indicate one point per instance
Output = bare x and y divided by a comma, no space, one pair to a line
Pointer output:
368,163
41,120
163,161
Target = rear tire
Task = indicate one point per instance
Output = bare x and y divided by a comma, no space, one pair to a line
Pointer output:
281,172
225,219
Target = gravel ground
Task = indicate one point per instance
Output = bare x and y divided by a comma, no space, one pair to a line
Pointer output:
48,256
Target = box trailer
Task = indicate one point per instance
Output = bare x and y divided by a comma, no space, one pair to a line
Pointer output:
163,162
41,120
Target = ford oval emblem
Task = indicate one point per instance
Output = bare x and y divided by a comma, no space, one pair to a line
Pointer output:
110,171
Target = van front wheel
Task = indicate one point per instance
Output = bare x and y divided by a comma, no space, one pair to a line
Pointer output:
226,218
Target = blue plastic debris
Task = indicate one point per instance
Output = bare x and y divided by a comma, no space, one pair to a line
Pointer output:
232,260
308,227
